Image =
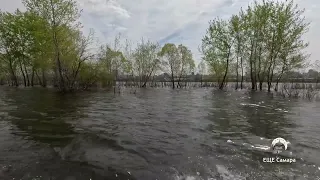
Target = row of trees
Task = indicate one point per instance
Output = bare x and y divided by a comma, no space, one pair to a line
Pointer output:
46,44
264,40
43,41
147,59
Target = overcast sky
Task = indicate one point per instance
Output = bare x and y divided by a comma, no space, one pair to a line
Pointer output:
175,21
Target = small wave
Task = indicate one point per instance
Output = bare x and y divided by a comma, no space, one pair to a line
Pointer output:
225,174
262,147
258,147
229,141
283,110
187,178
220,172
244,104
253,105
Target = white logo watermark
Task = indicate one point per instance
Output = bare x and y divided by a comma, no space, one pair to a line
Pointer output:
278,160
279,145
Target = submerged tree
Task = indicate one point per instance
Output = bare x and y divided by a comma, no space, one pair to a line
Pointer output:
176,61
112,61
266,37
216,47
169,55
46,40
62,17
187,64
202,70
45,45
8,49
146,60
236,28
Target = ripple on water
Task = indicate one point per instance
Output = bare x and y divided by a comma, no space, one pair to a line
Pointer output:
147,133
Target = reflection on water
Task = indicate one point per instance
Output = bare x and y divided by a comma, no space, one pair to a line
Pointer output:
154,134
40,115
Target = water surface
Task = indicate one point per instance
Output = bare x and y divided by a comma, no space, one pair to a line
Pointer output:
154,134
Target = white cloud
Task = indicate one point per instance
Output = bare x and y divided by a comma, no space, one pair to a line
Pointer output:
10,5
178,21
103,8
153,19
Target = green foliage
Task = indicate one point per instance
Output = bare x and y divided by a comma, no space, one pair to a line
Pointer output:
46,43
187,64
169,53
112,61
146,60
176,61
216,47
21,40
265,39
58,13
202,68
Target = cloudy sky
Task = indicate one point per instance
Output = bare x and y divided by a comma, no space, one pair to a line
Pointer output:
175,21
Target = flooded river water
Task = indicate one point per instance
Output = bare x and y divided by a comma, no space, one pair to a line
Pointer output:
154,134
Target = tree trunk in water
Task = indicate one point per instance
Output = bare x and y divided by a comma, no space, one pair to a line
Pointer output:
27,75
32,78
172,79
61,83
259,71
270,79
276,86
147,79
179,80
14,78
144,84
115,78
24,76
140,80
277,83
269,86
39,79
251,66
255,68
251,74
270,82
241,85
260,85
223,81
272,59
44,80
256,87
237,84
226,71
